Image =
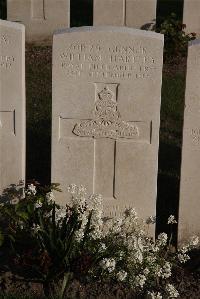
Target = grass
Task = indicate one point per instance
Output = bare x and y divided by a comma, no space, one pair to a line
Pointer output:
173,98
38,87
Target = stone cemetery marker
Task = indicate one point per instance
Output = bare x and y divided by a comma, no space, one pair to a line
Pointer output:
41,17
106,111
130,13
191,16
12,104
189,213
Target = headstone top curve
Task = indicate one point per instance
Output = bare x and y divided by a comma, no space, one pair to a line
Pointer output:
14,25
195,42
111,29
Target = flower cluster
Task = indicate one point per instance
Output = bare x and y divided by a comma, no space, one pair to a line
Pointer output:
117,249
182,254
31,190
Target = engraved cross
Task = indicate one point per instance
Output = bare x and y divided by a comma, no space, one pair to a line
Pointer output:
107,128
38,9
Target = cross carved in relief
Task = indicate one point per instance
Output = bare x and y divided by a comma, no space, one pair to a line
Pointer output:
38,9
108,129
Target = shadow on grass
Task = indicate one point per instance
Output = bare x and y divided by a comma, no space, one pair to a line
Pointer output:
39,103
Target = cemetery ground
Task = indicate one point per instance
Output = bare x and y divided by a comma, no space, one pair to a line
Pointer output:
38,80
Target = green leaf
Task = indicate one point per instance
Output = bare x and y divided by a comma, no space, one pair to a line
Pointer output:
1,238
23,215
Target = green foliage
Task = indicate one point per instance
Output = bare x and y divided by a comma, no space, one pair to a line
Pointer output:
173,89
46,243
176,40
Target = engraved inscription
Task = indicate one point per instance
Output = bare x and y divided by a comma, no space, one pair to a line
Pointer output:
6,61
195,133
107,62
4,40
107,122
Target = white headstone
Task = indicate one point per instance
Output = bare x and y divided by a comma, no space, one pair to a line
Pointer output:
131,13
191,16
189,213
41,17
12,104
106,114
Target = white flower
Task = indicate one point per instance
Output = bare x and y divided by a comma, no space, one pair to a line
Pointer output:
121,275
95,202
121,255
50,196
151,220
21,224
31,190
151,258
132,213
140,280
108,264
38,204
96,223
162,239
154,295
173,293
60,214
72,188
103,246
138,256
146,271
36,228
165,271
184,249
78,197
79,235
194,241
117,225
183,257
171,220
83,218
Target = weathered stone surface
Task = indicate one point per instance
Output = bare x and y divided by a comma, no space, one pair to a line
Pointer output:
106,111
12,104
189,213
191,16
41,17
130,13
109,12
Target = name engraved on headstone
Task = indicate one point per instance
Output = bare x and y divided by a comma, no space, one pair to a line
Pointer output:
195,134
101,62
4,39
6,61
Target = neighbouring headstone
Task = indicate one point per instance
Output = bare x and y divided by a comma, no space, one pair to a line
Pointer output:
139,14
106,114
189,213
191,16
41,17
12,104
